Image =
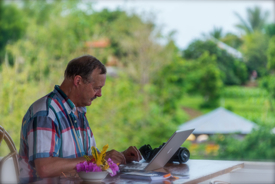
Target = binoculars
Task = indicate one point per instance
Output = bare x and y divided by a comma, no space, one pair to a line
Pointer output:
182,155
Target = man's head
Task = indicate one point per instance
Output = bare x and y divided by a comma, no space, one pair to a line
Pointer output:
86,75
83,66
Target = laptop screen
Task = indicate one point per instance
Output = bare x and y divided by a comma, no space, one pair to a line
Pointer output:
169,149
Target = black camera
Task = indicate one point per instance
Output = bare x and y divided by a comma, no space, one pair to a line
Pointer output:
182,155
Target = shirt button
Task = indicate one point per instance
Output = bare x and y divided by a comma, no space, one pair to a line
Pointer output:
75,121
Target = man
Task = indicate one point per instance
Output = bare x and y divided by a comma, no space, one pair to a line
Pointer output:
55,132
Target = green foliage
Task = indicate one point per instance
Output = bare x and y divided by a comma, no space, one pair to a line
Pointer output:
217,33
250,103
243,92
172,79
268,83
271,54
123,116
259,144
57,32
232,40
16,95
199,76
234,72
210,80
143,103
254,50
240,70
12,26
256,20
270,29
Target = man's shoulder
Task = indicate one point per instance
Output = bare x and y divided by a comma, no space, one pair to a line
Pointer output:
38,108
42,105
46,107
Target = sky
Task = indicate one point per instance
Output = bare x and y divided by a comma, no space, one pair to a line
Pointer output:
191,18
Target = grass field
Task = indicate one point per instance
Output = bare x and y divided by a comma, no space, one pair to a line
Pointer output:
250,103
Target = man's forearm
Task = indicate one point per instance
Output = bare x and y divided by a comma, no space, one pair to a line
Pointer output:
54,166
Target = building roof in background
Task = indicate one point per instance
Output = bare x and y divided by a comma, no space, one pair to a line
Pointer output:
221,121
102,43
234,52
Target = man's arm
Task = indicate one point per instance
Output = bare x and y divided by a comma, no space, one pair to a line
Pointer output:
54,166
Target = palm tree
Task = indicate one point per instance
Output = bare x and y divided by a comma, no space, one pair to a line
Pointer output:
217,33
256,20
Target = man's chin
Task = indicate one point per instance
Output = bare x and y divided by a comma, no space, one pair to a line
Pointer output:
91,101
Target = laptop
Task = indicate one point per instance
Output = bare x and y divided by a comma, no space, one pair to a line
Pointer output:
163,156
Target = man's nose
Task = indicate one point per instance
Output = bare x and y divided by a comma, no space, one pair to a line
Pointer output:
98,93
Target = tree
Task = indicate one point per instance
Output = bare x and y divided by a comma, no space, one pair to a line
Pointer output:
270,30
256,20
232,40
254,51
142,56
12,26
255,42
271,54
217,33
210,80
226,62
268,82
16,95
123,107
200,76
59,34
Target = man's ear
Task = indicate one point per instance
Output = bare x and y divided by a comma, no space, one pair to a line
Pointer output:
77,80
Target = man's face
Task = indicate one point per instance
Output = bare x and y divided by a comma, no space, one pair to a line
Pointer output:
91,90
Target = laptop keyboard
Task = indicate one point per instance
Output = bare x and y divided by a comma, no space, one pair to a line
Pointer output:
134,166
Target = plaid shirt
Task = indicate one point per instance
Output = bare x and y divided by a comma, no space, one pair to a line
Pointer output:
50,129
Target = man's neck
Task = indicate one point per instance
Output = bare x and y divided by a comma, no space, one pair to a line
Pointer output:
67,88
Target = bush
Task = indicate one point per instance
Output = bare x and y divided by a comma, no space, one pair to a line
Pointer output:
258,145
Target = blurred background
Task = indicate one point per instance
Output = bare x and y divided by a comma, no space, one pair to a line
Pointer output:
171,65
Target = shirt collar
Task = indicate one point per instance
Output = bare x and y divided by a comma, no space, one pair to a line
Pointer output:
69,105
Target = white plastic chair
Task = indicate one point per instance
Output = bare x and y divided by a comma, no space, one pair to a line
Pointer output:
13,154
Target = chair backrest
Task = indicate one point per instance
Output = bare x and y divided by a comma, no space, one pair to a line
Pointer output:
13,152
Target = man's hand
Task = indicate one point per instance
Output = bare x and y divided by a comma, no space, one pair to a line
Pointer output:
132,154
116,157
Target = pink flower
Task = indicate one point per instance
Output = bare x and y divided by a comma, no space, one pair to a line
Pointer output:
92,167
80,167
113,167
95,168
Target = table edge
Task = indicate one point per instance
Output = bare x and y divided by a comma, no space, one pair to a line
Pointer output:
215,174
